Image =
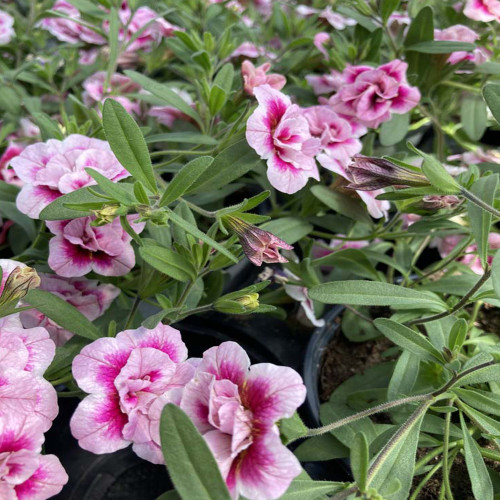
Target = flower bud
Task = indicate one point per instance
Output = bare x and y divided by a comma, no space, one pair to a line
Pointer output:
19,282
259,245
107,214
437,202
370,174
240,305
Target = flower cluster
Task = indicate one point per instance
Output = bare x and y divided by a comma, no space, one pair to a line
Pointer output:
235,406
28,405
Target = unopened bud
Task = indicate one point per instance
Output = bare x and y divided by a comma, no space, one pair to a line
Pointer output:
239,305
19,282
107,215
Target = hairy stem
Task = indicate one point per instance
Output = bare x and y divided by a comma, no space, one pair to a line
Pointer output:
446,442
479,202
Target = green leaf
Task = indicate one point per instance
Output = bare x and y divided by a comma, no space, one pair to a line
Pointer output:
216,100
486,424
58,211
49,129
491,94
480,220
191,229
301,489
117,191
404,376
479,477
190,463
289,229
169,97
184,137
487,402
9,210
495,274
127,143
440,47
436,173
292,428
387,7
489,373
421,28
473,116
62,313
184,179
394,130
114,40
341,203
360,456
350,259
367,293
319,448
458,334
230,164
168,262
409,339
169,495
224,78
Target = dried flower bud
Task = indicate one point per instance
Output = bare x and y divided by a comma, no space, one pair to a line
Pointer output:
259,245
107,215
370,174
19,282
436,202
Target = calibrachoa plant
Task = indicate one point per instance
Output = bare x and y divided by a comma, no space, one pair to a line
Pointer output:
327,153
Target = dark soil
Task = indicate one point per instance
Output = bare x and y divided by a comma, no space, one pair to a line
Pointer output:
343,359
489,319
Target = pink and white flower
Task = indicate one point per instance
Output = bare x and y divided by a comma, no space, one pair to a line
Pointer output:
325,84
279,133
320,40
88,296
252,51
254,77
7,174
338,21
167,115
53,168
78,248
372,95
67,30
236,406
124,377
6,28
461,33
95,92
338,135
483,10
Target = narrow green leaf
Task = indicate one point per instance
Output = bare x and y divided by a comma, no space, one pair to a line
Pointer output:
127,143
404,376
168,262
387,7
49,128
185,178
360,456
190,463
458,334
491,94
487,402
367,293
489,373
57,210
495,274
167,95
409,339
440,47
292,428
350,259
480,220
289,229
170,495
319,448
191,229
117,191
184,137
473,116
62,313
9,210
478,473
303,489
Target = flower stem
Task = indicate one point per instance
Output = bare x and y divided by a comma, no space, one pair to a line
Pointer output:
446,442
479,202
464,300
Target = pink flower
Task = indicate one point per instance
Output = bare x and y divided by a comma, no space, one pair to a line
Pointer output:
6,28
124,376
447,244
279,133
254,77
118,85
371,95
479,155
483,10
325,84
250,50
7,174
67,30
236,406
320,39
25,474
338,21
88,57
151,35
53,168
167,115
89,297
461,33
338,136
259,245
78,248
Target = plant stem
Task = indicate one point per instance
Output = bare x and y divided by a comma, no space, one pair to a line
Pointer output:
479,202
70,394
446,442
358,314
179,152
434,453
463,301
424,481
366,413
132,312
199,210
62,380
461,375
